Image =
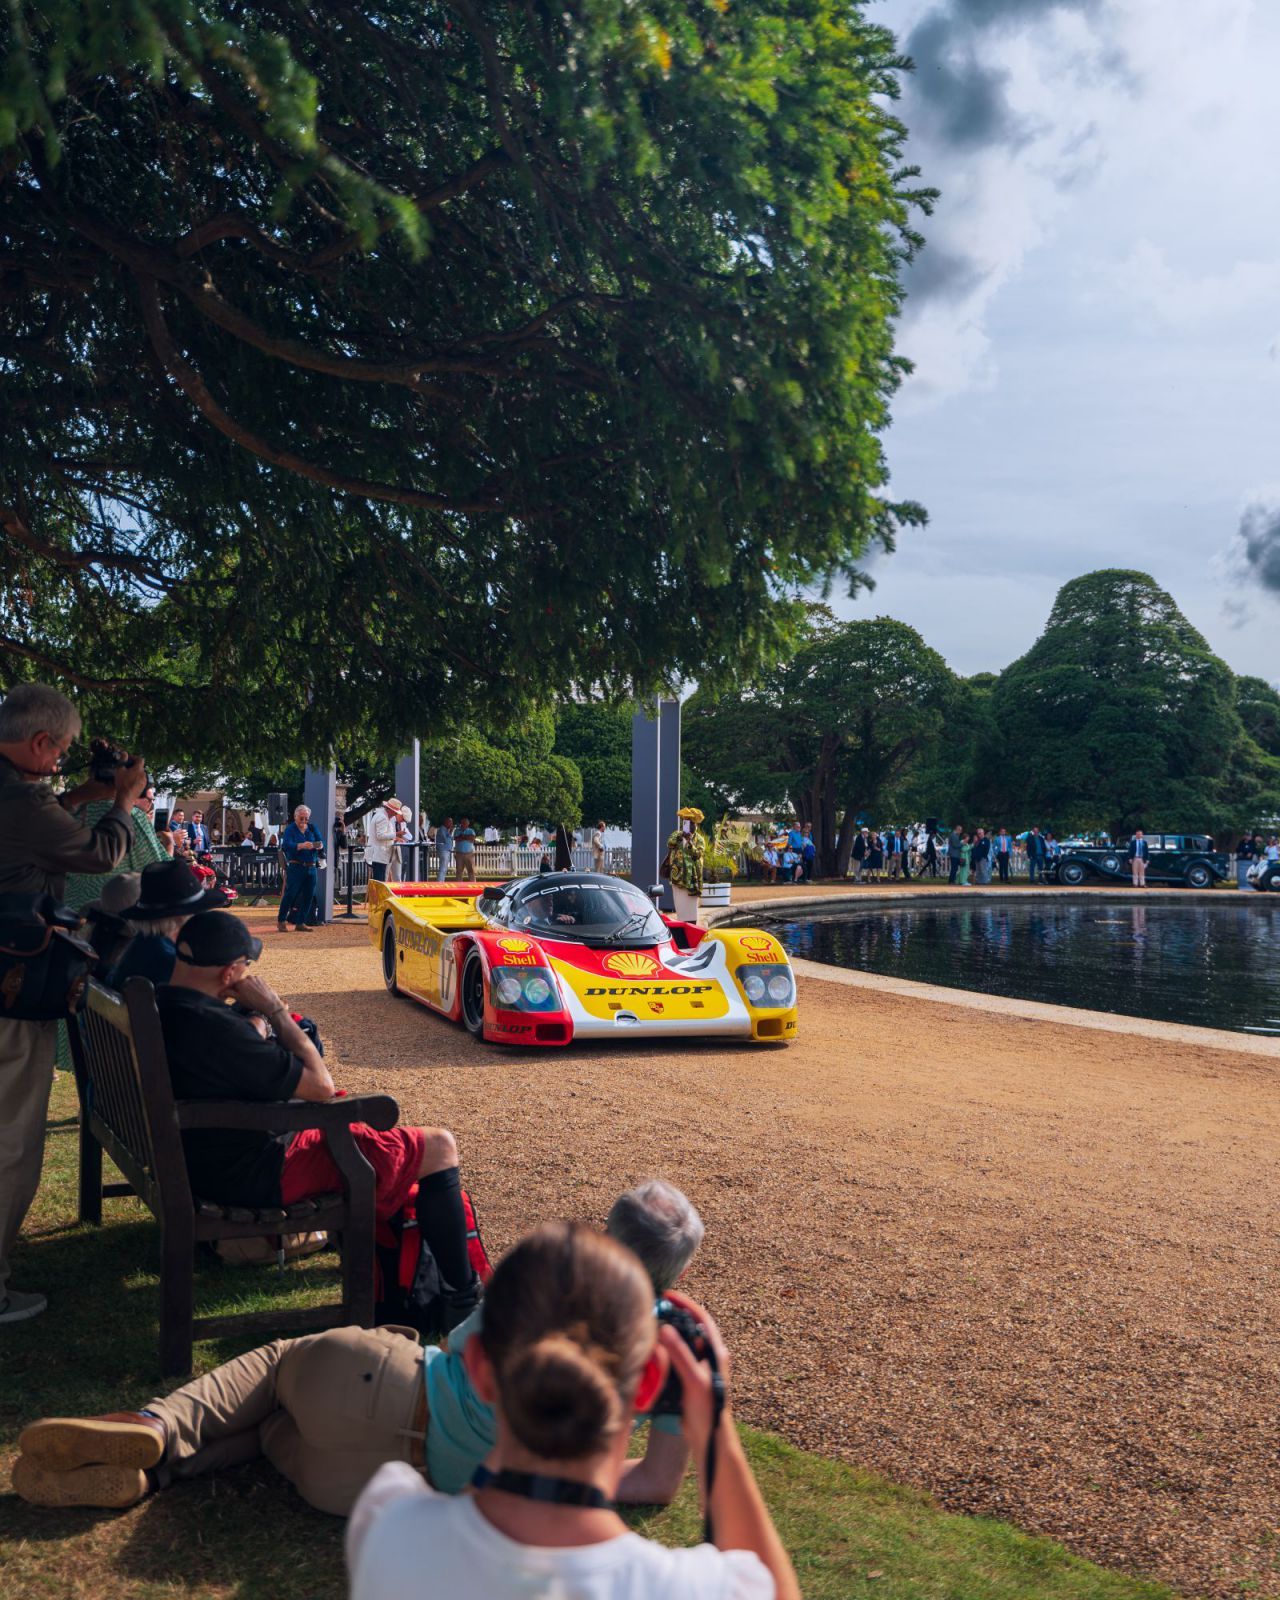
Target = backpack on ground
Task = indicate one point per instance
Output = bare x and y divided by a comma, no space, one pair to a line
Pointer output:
410,1289
271,1250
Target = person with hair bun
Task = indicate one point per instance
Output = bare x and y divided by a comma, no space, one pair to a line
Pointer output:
569,1353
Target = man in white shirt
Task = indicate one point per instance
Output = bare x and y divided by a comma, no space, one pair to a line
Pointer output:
384,827
598,848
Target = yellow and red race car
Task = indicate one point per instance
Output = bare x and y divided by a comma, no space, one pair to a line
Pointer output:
576,955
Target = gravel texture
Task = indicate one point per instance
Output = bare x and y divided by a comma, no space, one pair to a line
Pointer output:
1027,1266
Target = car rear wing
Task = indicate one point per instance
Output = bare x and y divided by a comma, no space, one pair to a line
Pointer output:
443,905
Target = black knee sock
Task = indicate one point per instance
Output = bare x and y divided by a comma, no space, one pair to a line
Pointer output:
443,1223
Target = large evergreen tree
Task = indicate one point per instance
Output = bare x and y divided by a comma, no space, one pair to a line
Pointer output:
354,359
597,738
835,734
1120,714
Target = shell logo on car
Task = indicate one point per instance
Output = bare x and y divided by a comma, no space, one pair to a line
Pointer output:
759,943
515,947
631,964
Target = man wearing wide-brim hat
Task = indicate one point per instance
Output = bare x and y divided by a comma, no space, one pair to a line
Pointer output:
384,829
170,893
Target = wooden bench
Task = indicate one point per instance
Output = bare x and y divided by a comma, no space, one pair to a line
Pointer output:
127,1109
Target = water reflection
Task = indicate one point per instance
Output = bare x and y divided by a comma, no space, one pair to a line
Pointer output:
1215,966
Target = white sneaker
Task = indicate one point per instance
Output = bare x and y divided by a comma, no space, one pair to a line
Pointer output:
16,1307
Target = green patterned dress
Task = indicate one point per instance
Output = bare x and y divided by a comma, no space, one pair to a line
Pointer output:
686,851
82,887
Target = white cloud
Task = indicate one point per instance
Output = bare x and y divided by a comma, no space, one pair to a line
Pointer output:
1036,121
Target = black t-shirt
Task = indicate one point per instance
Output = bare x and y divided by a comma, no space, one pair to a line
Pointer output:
215,1054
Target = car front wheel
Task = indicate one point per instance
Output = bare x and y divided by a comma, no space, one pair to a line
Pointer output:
473,995
1198,876
1071,872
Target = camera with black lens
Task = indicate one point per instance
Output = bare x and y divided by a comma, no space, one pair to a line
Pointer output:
106,759
670,1403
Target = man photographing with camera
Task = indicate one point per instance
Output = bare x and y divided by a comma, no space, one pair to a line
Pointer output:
40,842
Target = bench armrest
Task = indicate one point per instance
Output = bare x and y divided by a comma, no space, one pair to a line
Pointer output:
379,1111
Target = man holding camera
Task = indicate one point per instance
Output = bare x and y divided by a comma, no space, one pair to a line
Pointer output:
41,841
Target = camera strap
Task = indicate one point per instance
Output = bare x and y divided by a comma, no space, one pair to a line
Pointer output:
538,1486
718,1396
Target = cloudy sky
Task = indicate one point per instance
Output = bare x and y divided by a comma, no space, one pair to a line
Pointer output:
1096,320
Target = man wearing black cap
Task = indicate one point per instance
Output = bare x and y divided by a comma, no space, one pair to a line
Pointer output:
216,1052
169,895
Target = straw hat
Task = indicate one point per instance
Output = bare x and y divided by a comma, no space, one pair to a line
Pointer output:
691,813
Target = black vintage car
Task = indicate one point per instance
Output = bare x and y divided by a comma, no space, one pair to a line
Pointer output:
1265,875
1185,858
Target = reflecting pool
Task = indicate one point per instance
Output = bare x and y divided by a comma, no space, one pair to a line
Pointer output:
1215,966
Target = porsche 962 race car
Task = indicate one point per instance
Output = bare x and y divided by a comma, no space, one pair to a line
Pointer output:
576,955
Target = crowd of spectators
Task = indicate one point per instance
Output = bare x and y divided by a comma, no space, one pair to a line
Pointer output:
532,1400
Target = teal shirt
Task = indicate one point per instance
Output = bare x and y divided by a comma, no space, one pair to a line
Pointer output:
461,1429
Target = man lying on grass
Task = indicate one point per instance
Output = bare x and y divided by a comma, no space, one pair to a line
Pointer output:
329,1409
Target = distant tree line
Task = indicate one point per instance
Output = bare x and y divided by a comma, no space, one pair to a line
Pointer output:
1119,714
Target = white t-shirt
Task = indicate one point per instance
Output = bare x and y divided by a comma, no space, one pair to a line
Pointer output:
406,1542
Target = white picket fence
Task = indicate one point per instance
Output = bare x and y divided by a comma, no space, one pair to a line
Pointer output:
492,862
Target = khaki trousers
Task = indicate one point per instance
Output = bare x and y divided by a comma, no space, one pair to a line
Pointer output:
326,1410
26,1077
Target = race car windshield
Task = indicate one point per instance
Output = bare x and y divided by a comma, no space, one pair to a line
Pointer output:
590,912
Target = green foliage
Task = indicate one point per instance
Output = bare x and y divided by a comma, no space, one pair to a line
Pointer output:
355,361
596,737
957,777
1120,714
834,735
504,777
1258,703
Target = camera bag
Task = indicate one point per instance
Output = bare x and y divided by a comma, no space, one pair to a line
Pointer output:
44,965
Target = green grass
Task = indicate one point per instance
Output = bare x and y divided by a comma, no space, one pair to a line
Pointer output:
246,1536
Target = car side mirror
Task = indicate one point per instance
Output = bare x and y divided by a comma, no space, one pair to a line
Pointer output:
655,894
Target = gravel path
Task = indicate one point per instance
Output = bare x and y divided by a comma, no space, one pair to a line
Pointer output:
1029,1267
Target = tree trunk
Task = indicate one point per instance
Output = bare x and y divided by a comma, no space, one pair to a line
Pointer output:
844,848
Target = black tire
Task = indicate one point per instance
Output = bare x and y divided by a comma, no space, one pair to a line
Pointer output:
1198,876
389,955
1111,863
1272,882
1071,872
473,995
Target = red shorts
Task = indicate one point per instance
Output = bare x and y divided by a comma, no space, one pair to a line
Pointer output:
395,1157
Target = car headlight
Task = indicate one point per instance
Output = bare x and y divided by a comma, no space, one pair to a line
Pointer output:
507,990
523,989
767,984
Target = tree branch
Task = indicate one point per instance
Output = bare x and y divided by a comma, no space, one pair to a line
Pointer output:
15,528
28,652
195,389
